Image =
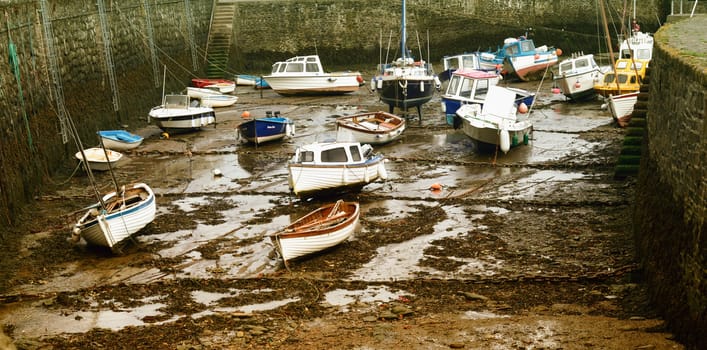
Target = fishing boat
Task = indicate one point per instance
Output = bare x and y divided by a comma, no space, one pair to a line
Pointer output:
470,86
520,58
323,228
272,127
117,216
304,75
496,123
626,76
119,140
373,128
577,76
405,83
176,114
98,158
325,167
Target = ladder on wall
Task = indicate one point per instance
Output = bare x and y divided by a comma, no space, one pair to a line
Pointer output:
219,41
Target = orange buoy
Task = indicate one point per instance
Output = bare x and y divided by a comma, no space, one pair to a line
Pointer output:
577,85
558,52
523,108
537,56
555,90
245,114
436,186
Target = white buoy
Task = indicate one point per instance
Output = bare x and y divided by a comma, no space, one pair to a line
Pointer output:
380,82
505,141
217,172
373,83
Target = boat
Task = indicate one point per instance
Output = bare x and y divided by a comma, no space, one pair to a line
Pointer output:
469,86
405,83
304,75
466,61
325,167
520,58
98,158
272,127
198,93
176,114
323,228
117,216
224,86
119,140
251,80
621,107
496,123
373,128
577,76
639,45
219,100
626,76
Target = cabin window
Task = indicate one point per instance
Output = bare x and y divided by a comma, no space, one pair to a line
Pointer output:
469,62
451,63
482,86
623,78
582,64
275,67
311,59
355,154
453,85
467,88
621,65
282,67
312,67
566,66
512,50
609,78
527,46
334,155
644,54
306,156
633,79
295,67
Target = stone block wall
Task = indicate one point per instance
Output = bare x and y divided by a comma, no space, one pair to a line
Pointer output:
670,208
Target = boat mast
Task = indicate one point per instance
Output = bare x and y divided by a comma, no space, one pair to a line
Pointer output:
404,35
608,43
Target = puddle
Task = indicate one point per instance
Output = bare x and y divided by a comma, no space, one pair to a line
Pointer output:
344,298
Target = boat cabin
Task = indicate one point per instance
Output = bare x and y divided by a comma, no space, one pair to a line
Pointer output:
577,65
639,46
518,47
176,101
467,86
462,61
629,73
299,65
334,153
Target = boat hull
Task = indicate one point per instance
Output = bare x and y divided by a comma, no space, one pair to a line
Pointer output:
311,234
405,93
488,134
528,67
306,179
578,87
337,83
265,129
373,128
119,140
621,107
192,118
111,228
96,158
216,101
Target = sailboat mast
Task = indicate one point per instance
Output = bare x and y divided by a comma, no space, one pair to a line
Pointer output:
404,36
608,43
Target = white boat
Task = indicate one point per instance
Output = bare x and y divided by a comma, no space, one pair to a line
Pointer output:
638,46
176,113
199,93
117,216
497,122
119,140
98,158
322,167
466,61
304,75
621,107
373,128
322,228
219,100
577,76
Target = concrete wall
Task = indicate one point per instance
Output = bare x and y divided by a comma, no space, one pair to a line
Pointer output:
670,207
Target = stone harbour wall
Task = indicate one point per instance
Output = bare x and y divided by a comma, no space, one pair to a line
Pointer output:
670,206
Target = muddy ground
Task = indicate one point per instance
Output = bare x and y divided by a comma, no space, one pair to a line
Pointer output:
526,250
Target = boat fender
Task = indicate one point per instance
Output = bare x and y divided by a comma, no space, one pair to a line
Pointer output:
523,108
380,82
373,83
505,141
526,139
422,86
382,173
438,84
514,140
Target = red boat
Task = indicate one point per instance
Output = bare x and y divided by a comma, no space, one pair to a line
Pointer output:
222,85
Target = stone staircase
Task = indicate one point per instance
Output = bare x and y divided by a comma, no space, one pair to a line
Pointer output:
630,157
219,41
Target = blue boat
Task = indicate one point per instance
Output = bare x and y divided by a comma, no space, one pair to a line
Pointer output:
271,128
119,140
252,80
